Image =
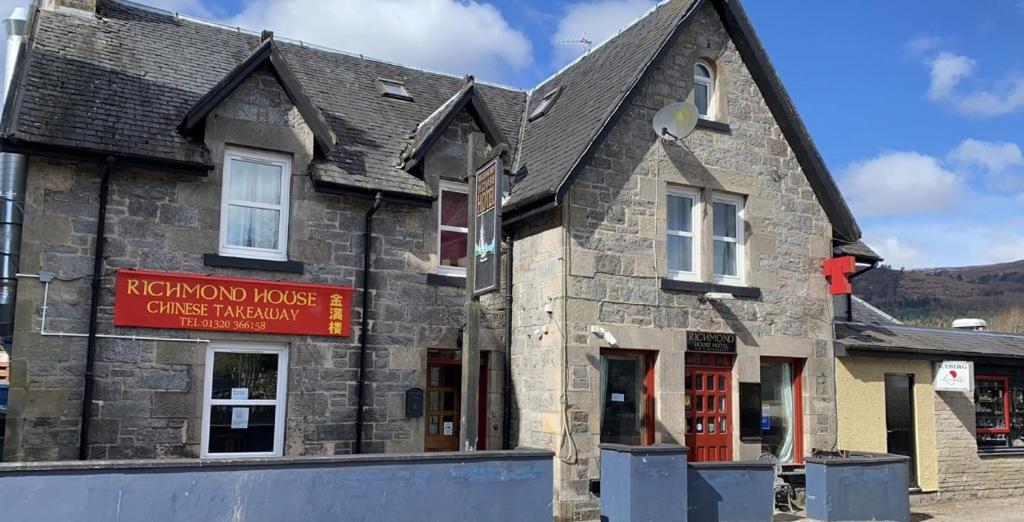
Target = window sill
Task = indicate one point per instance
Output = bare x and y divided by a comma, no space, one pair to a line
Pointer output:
1001,452
750,292
712,125
245,263
446,280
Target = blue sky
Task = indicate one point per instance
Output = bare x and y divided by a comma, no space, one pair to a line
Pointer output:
916,105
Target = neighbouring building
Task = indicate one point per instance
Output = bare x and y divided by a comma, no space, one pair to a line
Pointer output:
661,290
952,400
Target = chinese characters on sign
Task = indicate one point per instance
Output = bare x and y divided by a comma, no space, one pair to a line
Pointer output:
194,302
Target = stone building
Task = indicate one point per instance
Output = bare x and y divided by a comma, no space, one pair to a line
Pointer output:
663,289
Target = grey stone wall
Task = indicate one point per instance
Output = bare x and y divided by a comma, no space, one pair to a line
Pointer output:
148,395
617,258
963,472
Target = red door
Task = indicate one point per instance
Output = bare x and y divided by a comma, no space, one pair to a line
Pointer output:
709,406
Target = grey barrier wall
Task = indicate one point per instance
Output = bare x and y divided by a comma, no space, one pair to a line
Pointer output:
731,491
860,486
499,486
643,483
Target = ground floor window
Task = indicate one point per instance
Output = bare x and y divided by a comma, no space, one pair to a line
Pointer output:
627,398
999,406
244,400
780,409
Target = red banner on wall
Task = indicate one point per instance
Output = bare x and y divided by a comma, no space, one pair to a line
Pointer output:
195,302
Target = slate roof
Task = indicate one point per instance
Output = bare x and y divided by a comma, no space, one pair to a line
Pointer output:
928,341
865,312
856,249
121,82
592,89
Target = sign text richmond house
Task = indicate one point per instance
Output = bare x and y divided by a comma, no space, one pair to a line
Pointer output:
195,302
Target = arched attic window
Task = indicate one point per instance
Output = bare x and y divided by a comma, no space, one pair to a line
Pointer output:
704,89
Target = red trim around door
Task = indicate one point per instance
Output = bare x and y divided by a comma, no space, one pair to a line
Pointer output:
797,366
649,359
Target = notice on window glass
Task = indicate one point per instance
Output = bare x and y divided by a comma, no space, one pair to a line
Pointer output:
239,394
449,428
618,397
239,418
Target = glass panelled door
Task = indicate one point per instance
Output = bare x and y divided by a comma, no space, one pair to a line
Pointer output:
443,401
781,412
708,406
627,409
899,419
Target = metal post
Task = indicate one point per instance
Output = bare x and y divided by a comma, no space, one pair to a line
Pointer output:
471,335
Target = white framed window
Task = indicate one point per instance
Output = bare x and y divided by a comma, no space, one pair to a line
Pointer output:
452,229
727,224
704,89
682,244
254,204
244,395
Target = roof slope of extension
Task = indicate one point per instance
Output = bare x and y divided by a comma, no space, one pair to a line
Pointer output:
121,83
874,331
894,338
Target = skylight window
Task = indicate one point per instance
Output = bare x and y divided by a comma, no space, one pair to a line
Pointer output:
545,103
393,89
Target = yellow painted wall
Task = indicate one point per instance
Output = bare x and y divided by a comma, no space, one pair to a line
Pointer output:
860,393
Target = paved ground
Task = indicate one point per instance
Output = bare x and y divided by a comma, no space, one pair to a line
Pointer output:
988,510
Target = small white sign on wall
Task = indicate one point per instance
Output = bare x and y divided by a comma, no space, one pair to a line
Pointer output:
957,376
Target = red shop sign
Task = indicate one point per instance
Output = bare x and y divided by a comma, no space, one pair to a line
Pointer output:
195,302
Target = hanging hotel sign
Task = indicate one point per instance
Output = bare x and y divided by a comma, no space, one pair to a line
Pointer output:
486,250
151,299
717,342
954,376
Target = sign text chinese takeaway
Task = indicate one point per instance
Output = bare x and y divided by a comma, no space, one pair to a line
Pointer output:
195,302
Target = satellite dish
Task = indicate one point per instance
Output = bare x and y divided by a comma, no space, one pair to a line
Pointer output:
675,121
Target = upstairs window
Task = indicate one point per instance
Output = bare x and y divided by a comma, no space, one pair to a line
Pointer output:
704,89
254,205
681,242
727,223
453,229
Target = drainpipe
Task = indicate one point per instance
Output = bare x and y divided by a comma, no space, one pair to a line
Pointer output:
506,424
360,392
13,172
97,284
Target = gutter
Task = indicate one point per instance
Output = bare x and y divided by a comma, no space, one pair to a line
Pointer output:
849,297
97,279
378,200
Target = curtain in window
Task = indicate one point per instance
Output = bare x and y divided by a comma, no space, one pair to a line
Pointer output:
785,452
254,200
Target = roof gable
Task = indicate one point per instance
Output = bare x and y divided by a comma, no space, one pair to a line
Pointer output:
266,54
430,129
600,87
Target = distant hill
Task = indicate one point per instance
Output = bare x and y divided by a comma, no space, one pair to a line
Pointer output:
936,296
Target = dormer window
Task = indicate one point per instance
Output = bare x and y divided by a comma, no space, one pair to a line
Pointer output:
704,89
545,103
393,89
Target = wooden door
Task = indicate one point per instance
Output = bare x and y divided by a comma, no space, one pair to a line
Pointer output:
709,406
443,403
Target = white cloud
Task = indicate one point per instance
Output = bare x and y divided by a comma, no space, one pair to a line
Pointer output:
455,36
897,253
922,44
895,183
948,71
596,21
993,156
